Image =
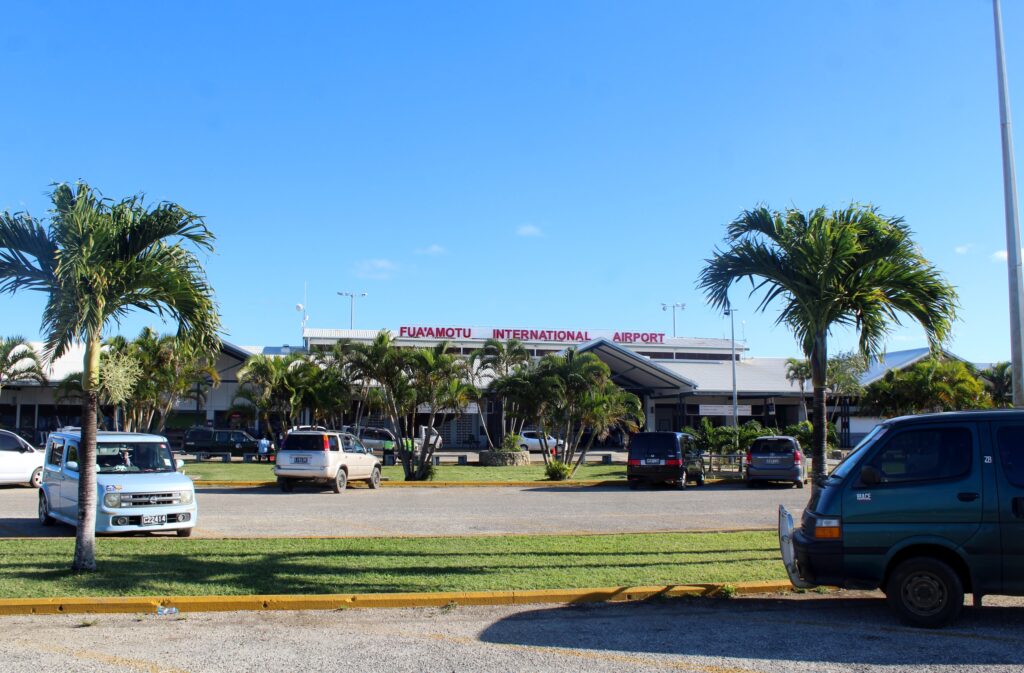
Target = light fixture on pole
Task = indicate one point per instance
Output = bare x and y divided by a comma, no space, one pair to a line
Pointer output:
1013,252
678,305
731,312
352,307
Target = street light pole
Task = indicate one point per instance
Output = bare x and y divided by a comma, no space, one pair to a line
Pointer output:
1012,225
352,307
673,307
735,406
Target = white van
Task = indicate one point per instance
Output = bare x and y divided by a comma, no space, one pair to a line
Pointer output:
19,462
138,481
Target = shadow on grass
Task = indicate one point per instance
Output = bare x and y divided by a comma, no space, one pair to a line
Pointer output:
825,630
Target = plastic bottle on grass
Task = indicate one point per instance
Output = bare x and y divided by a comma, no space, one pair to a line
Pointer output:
164,610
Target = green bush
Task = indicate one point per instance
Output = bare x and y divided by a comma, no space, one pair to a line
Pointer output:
556,470
511,442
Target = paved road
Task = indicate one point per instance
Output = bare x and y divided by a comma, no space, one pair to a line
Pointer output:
454,511
810,633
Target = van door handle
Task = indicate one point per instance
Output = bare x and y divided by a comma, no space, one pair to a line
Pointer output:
1018,508
967,497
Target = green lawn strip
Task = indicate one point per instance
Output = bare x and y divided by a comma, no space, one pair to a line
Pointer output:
264,472
170,566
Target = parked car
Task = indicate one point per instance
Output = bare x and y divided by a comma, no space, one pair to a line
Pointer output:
378,439
20,463
531,442
926,508
138,481
325,456
656,457
211,440
776,458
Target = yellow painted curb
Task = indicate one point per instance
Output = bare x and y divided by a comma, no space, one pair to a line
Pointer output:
56,606
203,483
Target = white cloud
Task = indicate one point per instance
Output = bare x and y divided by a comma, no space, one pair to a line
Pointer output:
529,230
963,249
432,249
1000,256
376,269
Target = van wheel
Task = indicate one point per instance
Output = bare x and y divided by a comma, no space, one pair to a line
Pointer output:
340,481
681,484
285,484
925,592
44,511
700,479
184,532
799,483
374,478
37,478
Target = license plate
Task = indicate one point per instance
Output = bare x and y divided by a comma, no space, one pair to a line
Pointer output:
773,461
303,460
154,519
652,461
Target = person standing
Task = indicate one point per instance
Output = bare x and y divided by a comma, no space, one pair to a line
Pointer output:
263,449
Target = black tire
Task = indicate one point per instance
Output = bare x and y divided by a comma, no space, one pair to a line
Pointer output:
44,511
681,483
699,481
925,592
799,483
340,481
285,484
36,480
374,481
183,532
750,483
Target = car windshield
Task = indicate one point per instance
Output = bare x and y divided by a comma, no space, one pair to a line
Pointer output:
851,459
133,457
655,444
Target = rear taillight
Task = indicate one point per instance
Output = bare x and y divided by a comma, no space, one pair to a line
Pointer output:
633,462
327,445
748,458
797,458
673,462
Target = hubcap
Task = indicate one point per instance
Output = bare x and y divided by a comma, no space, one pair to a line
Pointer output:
924,594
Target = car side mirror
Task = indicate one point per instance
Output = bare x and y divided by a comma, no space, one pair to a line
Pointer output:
71,465
179,464
869,476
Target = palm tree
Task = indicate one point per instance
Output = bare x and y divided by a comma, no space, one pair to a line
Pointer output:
845,268
999,380
606,408
96,260
19,362
798,371
503,358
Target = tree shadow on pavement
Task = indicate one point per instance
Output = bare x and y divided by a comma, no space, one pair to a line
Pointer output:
819,629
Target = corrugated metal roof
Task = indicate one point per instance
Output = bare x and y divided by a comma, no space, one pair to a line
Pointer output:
765,376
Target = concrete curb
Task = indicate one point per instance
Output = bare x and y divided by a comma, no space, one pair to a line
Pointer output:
64,606
212,483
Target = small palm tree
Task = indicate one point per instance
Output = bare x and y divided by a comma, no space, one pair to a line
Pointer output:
999,380
606,408
19,362
95,261
798,371
503,358
845,268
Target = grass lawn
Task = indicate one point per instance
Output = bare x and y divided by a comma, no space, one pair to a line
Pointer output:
172,566
264,472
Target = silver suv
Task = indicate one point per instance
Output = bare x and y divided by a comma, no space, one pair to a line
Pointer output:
325,456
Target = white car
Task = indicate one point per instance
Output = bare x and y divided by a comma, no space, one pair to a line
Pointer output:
139,486
19,462
531,441
325,456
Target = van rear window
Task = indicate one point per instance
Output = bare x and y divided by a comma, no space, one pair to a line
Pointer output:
303,443
653,445
771,446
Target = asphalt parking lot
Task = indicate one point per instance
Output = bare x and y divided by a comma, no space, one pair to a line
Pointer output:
846,632
232,512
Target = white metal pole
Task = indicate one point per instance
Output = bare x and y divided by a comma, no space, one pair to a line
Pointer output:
735,405
673,322
352,312
1012,225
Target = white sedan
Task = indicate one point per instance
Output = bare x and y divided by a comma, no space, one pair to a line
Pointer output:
19,462
530,441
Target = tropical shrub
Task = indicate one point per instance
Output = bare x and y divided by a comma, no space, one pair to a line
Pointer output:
556,470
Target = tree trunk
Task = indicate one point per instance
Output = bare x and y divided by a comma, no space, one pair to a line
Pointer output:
819,435
85,535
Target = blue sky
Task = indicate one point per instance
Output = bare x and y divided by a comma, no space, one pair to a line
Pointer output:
522,164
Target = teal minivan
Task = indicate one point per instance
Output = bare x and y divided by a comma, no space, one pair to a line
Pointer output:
927,508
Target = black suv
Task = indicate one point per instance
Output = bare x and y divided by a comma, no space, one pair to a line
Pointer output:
664,457
211,440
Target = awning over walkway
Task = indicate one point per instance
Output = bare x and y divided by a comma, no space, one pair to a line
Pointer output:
635,372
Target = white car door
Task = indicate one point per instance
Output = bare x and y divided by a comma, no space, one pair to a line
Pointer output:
12,462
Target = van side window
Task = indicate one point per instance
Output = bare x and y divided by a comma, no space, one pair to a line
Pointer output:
1010,440
925,455
72,454
56,452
